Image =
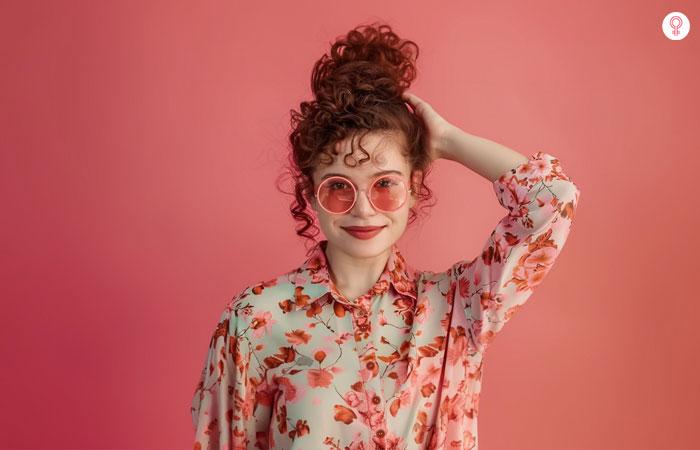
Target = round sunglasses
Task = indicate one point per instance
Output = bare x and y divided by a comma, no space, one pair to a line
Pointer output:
387,193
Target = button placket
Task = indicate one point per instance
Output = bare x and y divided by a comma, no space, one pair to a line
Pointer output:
361,320
361,315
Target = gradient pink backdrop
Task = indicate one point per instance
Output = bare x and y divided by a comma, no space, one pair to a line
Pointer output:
141,141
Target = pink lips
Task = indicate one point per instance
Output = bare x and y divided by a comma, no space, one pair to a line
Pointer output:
363,232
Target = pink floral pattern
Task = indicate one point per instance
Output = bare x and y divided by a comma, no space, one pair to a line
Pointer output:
292,364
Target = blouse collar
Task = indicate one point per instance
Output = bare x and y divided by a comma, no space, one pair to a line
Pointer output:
312,280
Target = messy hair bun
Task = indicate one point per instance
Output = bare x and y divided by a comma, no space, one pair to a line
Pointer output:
357,89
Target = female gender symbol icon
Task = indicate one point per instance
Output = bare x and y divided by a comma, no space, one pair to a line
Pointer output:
676,22
675,25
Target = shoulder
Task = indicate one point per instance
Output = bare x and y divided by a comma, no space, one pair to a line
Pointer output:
431,283
439,277
262,298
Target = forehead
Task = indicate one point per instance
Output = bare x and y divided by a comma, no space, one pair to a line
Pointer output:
385,151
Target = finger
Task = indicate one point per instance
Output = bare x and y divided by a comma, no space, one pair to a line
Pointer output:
414,98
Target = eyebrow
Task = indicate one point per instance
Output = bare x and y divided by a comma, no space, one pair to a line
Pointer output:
384,172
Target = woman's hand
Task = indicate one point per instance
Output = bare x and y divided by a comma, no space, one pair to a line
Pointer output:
437,126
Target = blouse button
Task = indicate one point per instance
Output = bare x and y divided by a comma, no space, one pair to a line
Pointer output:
380,433
375,400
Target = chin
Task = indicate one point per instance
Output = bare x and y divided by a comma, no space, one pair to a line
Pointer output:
365,247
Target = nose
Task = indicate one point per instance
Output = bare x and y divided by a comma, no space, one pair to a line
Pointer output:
362,206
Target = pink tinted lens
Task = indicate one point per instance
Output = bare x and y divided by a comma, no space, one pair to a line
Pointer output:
388,193
337,194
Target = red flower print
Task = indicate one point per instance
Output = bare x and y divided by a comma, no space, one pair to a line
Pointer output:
319,377
344,414
297,337
319,356
261,323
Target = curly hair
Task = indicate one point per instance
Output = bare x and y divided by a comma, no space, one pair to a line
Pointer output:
357,90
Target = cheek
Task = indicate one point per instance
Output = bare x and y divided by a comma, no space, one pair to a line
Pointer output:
400,216
325,218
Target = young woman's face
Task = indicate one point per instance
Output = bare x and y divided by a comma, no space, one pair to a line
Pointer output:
385,154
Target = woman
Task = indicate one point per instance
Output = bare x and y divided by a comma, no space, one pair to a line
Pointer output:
355,349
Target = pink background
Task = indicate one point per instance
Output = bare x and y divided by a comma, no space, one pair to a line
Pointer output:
141,141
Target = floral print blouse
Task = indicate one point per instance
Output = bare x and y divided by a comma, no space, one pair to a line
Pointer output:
293,364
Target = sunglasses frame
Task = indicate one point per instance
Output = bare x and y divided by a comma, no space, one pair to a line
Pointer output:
356,190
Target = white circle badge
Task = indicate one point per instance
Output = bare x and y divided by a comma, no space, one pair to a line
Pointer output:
675,26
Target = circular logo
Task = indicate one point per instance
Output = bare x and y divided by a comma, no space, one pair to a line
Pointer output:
675,26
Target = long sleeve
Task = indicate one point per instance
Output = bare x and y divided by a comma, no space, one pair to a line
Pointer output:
231,403
522,248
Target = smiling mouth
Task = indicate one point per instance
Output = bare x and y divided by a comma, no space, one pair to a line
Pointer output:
365,233
362,228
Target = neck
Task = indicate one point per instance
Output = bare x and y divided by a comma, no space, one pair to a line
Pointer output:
354,276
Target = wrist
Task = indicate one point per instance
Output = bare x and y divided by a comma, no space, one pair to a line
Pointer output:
448,140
